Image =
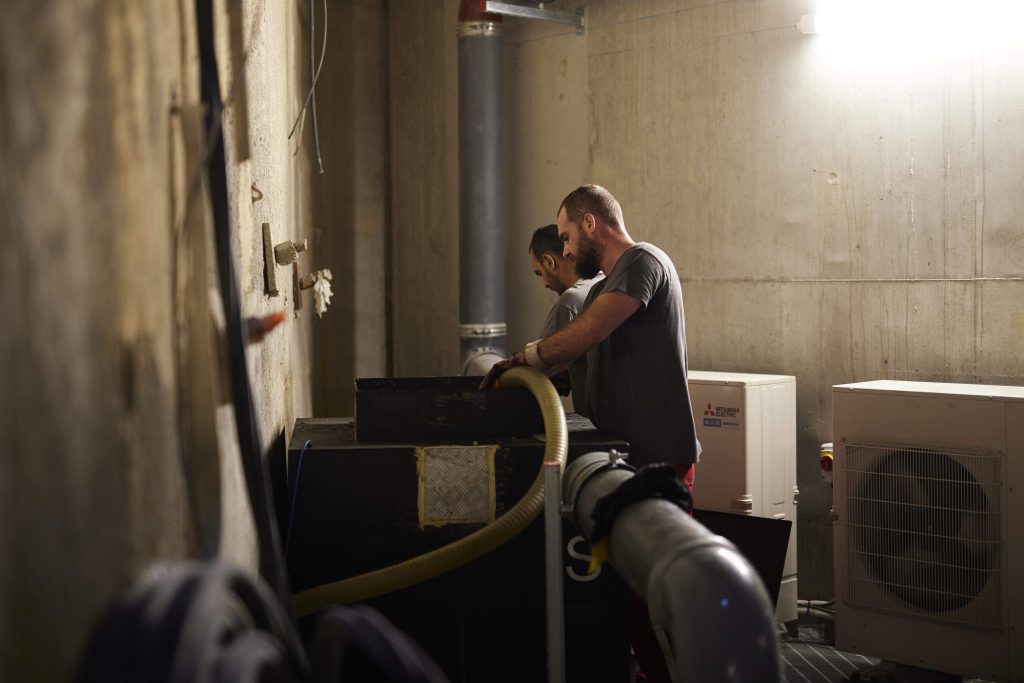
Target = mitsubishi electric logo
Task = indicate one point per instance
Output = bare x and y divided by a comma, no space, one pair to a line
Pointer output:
721,416
721,411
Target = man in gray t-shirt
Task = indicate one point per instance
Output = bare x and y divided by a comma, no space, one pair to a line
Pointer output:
633,333
559,275
631,329
637,387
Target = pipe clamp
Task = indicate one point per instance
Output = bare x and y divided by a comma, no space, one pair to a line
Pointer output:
482,330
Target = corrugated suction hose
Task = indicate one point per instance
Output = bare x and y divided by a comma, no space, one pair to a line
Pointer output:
477,544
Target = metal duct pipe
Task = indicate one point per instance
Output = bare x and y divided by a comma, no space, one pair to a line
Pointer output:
708,607
481,190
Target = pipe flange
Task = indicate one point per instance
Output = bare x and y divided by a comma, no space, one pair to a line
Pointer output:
482,330
478,361
580,470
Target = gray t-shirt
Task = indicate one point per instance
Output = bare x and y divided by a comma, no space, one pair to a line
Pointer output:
569,305
636,385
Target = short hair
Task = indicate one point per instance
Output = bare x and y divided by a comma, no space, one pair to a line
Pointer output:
545,241
593,199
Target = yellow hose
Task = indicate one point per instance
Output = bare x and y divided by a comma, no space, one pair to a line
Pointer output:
477,544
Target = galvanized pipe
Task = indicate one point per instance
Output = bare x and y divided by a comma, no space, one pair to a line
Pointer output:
708,607
554,598
481,190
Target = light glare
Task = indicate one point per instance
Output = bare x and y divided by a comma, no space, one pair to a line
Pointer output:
909,31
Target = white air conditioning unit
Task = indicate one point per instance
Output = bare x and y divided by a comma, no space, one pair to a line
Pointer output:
929,535
746,424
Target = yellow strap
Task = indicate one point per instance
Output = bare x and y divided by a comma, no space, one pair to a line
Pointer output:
598,555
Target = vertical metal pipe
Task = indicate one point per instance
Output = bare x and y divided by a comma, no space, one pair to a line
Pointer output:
481,189
553,571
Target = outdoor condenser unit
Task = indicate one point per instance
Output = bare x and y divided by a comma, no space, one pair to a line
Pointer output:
929,531
746,424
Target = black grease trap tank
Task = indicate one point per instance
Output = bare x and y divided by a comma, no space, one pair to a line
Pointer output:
368,503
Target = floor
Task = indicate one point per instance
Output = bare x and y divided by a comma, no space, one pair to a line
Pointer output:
819,663
814,661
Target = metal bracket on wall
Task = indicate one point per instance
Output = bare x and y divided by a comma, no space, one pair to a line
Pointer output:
576,19
269,277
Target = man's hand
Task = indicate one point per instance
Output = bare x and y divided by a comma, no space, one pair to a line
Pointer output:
562,382
491,379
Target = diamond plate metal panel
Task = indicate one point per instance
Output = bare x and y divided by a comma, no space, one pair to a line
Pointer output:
456,484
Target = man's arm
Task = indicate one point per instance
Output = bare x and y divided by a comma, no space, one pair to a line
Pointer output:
607,312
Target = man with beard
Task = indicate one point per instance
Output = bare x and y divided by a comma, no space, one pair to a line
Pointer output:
633,331
559,275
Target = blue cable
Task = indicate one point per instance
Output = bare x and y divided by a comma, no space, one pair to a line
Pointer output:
295,495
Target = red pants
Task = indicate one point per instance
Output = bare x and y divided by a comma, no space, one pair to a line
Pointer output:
645,643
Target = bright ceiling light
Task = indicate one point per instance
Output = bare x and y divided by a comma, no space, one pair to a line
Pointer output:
905,31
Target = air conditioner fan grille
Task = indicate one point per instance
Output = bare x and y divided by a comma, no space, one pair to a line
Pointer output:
923,530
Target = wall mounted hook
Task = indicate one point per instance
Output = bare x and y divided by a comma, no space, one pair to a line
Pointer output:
288,252
269,277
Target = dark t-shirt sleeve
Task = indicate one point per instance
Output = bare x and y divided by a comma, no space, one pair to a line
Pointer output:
640,277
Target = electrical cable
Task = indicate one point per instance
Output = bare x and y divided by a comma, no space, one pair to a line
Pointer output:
181,235
818,604
313,78
312,87
295,495
271,562
822,609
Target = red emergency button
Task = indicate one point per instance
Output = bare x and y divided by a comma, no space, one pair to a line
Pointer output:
826,462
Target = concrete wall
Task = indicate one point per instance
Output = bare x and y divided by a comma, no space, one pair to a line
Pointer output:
350,231
835,220
272,186
108,425
828,220
424,159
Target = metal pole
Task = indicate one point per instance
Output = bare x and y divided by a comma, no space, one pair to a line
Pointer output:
553,571
481,189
